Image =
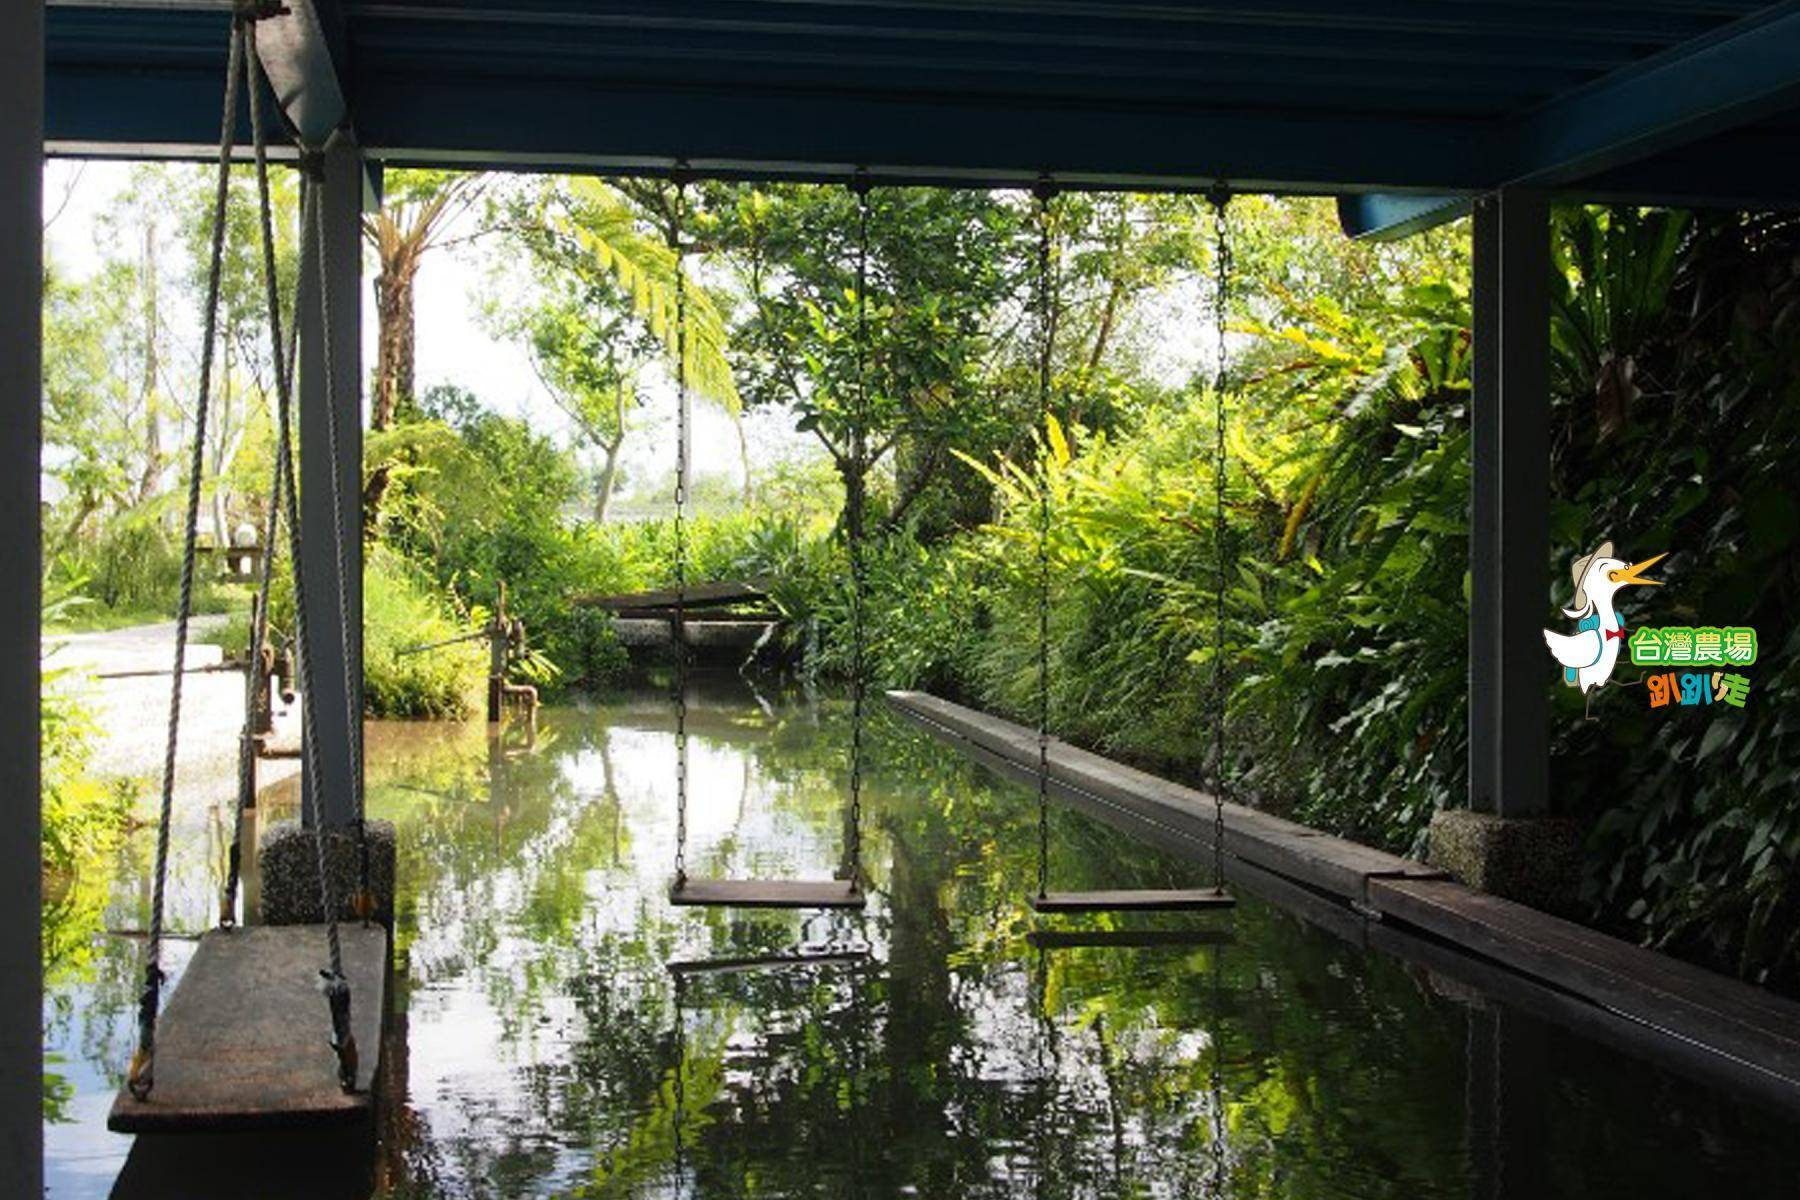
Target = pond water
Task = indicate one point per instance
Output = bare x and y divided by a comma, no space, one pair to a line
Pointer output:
540,1045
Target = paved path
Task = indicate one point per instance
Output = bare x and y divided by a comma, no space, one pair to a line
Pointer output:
133,714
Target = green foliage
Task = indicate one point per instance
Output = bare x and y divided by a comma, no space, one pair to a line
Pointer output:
1678,431
83,820
401,610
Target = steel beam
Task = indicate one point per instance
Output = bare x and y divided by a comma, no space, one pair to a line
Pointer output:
1746,71
21,309
335,633
1386,217
1509,547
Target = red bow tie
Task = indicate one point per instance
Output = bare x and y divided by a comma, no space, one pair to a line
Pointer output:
1615,633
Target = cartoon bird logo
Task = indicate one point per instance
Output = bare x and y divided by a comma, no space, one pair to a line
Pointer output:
1589,654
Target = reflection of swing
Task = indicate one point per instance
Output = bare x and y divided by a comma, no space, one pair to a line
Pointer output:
1049,1073
1141,900
682,971
239,1044
847,890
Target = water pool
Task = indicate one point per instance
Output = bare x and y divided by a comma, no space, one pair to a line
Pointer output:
541,1047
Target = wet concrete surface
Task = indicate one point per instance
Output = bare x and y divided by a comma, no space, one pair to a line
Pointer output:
132,714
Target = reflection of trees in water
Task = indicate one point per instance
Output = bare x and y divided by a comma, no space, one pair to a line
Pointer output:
955,1061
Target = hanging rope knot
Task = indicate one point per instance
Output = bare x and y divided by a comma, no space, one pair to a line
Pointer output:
861,182
312,164
1219,194
343,1041
141,1078
1045,188
682,173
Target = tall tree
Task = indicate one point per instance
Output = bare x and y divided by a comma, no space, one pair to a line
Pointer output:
600,303
417,209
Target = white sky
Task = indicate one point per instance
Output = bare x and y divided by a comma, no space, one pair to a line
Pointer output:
451,345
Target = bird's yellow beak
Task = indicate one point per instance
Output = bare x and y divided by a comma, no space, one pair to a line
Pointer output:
1632,573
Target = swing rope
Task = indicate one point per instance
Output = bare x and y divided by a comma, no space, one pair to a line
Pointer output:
141,1076
254,681
1220,198
1045,191
679,623
335,984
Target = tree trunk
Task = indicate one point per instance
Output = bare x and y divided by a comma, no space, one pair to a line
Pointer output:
152,469
394,346
737,423
221,440
393,365
609,472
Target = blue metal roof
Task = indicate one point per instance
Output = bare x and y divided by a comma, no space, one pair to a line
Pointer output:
1328,95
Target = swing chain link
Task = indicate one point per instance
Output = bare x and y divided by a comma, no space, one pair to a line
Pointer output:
1045,191
141,1077
1220,198
856,516
678,245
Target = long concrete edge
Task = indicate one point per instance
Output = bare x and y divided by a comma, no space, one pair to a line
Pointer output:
1721,1028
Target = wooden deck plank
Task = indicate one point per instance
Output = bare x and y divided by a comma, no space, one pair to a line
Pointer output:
768,893
1140,900
242,1040
1734,1018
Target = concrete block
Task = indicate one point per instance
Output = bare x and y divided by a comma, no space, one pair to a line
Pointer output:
1533,860
288,863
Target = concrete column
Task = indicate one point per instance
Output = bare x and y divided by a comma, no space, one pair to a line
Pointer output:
1510,507
335,656
21,398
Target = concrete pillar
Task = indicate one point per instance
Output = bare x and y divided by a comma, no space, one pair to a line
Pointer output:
21,398
1504,842
335,656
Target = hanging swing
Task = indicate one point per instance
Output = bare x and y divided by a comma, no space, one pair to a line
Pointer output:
239,1044
1124,900
845,891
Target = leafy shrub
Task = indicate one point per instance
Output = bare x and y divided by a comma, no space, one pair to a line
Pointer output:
402,610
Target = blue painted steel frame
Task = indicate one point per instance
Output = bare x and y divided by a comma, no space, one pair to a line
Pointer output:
104,88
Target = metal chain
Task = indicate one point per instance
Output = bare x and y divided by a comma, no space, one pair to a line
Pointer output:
679,1113
681,473
336,985
141,1077
1046,299
856,515
1220,199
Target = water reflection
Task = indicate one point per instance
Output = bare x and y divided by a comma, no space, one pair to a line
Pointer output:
540,1044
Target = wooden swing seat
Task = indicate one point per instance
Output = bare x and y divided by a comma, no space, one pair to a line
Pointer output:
1082,939
767,893
762,962
1168,900
242,1041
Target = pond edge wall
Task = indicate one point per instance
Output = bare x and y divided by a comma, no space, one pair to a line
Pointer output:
1724,1029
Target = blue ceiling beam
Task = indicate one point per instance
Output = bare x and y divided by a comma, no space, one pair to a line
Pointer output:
1743,72
1386,217
580,124
1604,141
